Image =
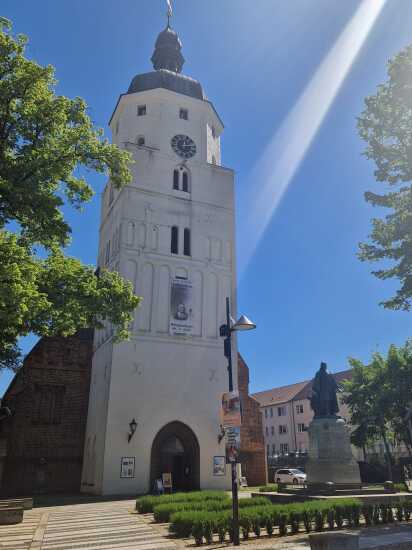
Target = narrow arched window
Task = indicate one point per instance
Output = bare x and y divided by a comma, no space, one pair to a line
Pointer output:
174,241
213,159
185,184
141,141
186,243
176,180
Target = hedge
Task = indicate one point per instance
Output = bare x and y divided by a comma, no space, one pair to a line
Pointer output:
312,515
162,512
288,518
145,505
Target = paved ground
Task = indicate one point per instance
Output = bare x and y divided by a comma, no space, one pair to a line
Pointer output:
111,525
97,526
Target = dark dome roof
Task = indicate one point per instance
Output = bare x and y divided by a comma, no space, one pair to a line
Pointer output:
168,80
168,37
168,51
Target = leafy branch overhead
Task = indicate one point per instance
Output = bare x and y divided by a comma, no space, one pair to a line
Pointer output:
386,126
46,141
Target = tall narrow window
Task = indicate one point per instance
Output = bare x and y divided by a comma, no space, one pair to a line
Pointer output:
184,114
174,244
185,185
141,141
187,251
176,180
141,110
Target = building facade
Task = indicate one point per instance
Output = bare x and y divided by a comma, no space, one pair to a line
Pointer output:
171,233
42,442
287,413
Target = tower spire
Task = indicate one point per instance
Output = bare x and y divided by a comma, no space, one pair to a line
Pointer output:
168,48
169,12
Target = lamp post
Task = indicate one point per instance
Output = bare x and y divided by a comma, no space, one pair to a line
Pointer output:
226,331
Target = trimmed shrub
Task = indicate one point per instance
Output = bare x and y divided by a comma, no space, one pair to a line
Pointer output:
145,505
162,512
197,532
202,524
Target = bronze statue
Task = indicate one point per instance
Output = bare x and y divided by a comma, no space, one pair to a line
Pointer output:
324,389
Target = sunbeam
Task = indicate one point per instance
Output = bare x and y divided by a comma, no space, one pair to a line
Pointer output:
283,155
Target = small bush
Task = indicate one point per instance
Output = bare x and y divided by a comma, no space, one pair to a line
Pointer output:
197,531
400,487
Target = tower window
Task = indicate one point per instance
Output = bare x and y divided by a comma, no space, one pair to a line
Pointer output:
213,132
141,110
185,185
141,141
186,245
184,114
117,127
176,180
174,244
213,159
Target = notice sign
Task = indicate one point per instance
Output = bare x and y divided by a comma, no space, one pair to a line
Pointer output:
127,466
232,444
181,309
231,418
231,415
167,480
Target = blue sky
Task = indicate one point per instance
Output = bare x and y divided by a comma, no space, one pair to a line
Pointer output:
304,287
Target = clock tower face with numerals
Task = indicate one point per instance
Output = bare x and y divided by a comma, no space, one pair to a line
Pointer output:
170,232
184,146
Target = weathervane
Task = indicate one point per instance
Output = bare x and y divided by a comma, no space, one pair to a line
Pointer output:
169,12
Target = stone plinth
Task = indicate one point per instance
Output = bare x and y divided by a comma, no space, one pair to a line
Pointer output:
330,453
334,541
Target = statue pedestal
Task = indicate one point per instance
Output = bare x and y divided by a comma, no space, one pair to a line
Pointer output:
330,453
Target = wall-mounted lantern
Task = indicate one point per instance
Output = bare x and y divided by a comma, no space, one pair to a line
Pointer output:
133,427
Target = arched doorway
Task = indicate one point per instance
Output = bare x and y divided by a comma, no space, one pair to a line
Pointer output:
175,449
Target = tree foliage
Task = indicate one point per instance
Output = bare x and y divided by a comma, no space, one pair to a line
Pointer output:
386,126
379,397
46,142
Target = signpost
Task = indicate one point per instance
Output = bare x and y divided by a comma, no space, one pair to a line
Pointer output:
232,414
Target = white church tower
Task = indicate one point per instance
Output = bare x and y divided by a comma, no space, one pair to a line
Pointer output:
155,400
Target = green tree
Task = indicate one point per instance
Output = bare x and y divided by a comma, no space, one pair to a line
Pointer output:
46,142
379,398
368,401
386,126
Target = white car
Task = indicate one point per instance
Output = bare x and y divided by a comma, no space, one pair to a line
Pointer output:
290,475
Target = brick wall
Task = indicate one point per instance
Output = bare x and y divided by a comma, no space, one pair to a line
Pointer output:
45,434
253,456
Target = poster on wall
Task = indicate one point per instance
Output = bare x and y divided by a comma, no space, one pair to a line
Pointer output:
219,465
127,466
181,309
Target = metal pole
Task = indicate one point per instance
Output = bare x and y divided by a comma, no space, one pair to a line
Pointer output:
235,506
229,336
235,498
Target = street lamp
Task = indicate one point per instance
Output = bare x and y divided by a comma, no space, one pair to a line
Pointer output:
226,330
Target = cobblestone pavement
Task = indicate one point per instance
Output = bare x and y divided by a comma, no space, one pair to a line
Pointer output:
98,526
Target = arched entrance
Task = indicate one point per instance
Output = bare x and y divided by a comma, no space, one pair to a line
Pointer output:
175,449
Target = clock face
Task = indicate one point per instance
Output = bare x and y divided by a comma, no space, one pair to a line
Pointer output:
184,146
